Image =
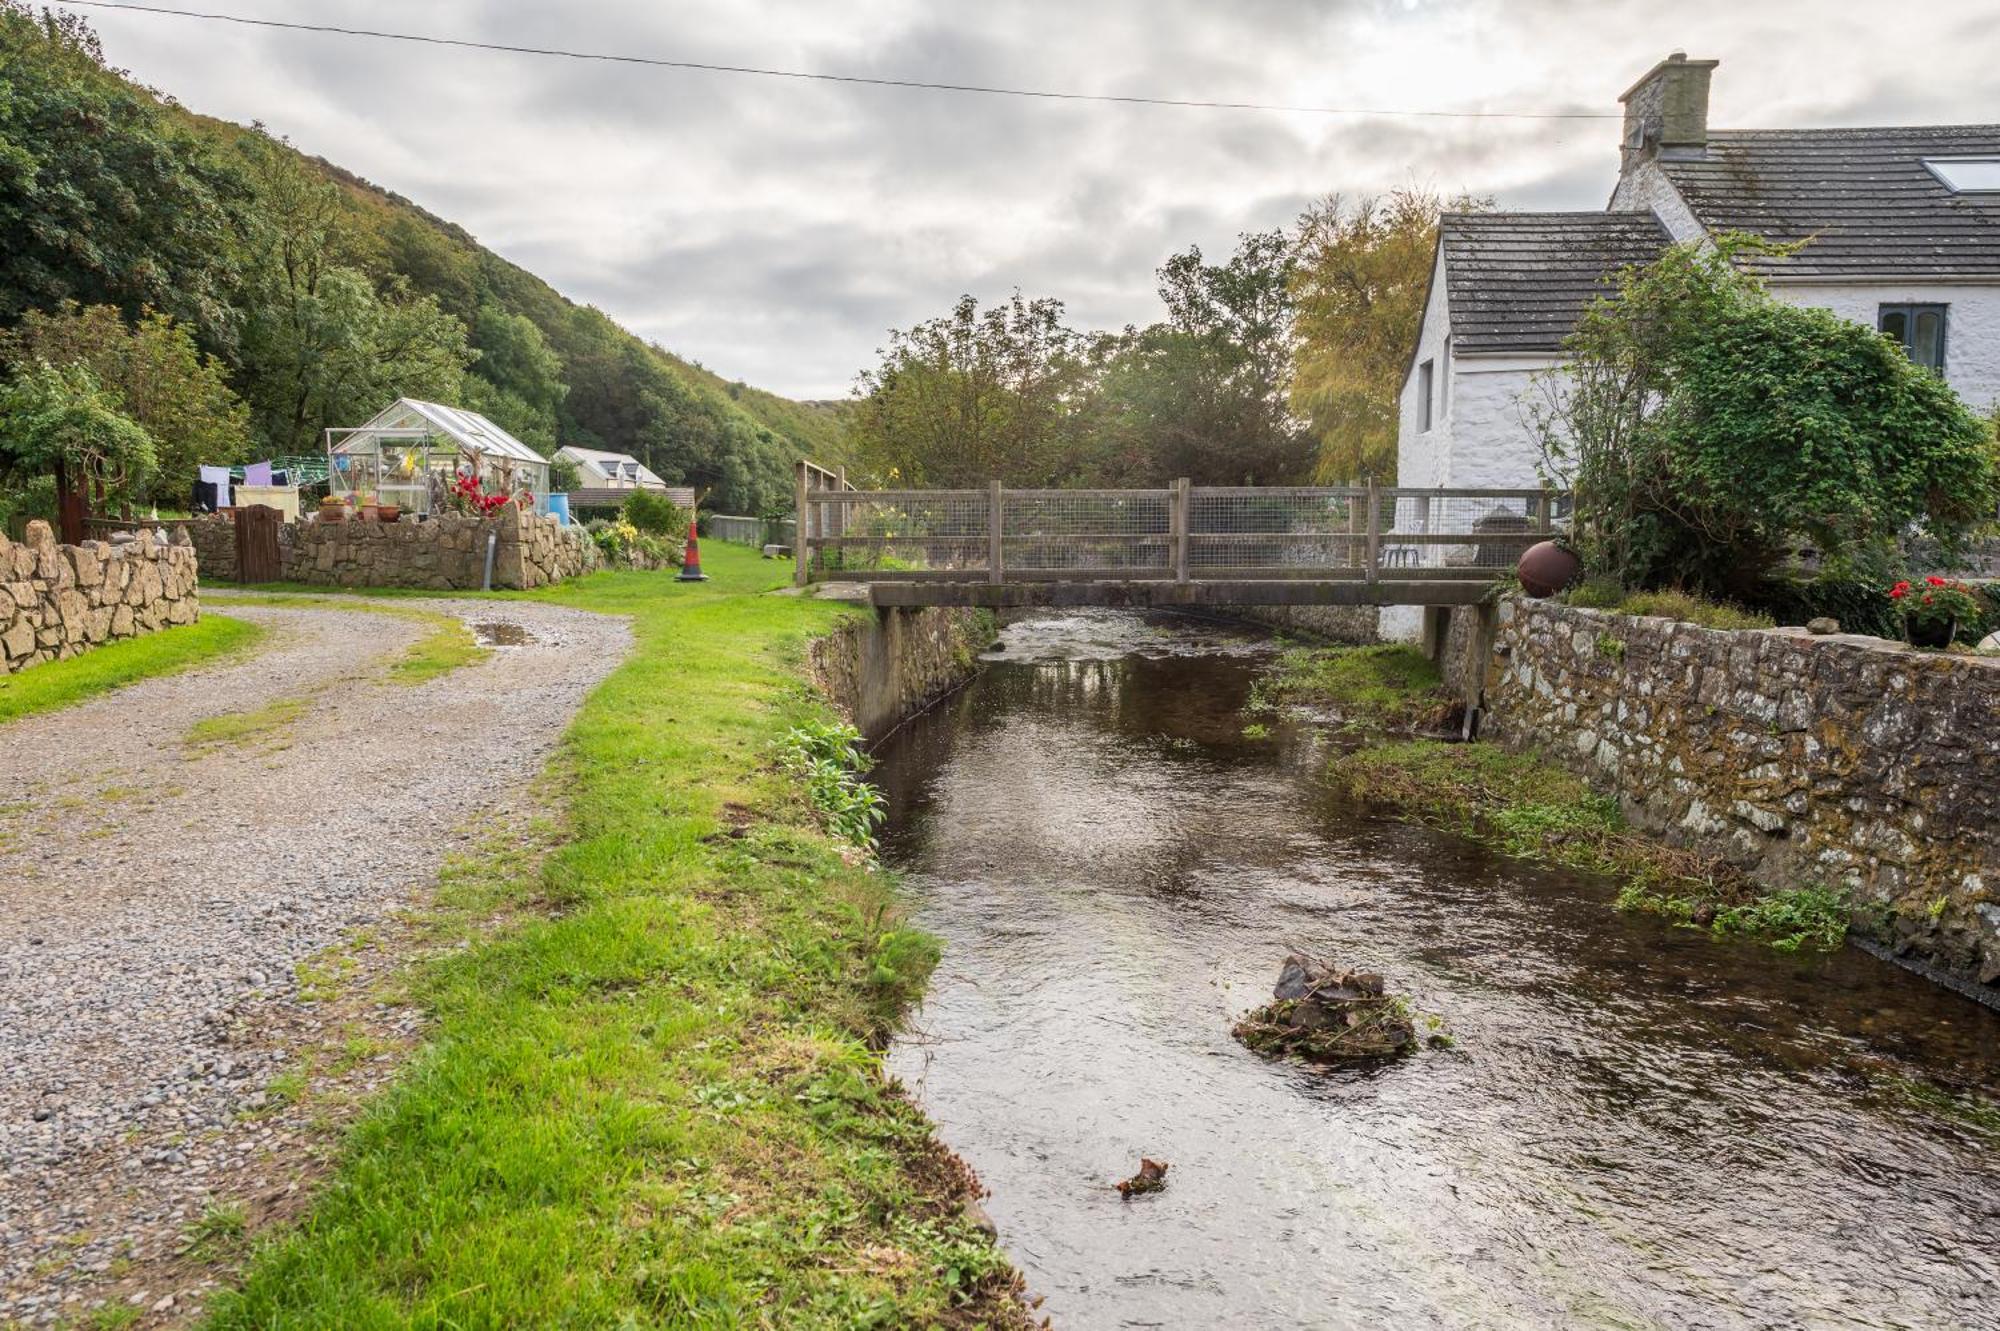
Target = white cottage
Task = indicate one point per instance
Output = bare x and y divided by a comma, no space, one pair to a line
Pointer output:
1902,228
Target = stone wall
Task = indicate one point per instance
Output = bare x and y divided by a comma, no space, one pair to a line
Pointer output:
1837,760
891,664
1335,623
57,601
445,553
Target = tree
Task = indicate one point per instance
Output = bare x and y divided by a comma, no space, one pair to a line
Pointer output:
518,378
320,347
1204,394
57,421
179,396
1706,427
103,199
1360,275
972,397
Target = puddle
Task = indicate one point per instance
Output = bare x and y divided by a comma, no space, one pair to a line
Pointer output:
501,635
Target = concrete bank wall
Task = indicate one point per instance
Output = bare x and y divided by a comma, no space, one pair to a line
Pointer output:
57,601
445,553
894,663
1838,760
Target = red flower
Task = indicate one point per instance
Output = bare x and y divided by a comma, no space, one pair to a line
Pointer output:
1934,580
1899,591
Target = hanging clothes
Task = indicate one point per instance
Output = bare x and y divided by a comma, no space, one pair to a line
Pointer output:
218,477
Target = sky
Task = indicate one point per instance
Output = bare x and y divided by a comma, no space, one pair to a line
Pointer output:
775,230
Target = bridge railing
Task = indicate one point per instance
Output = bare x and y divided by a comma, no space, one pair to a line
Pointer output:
1181,533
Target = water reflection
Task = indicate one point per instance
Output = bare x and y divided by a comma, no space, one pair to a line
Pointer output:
1638,1127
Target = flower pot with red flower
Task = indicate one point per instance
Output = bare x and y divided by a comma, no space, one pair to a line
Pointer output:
1933,609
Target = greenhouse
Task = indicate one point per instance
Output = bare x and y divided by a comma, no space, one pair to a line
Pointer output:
412,454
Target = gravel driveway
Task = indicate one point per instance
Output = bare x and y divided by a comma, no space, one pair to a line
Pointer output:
159,894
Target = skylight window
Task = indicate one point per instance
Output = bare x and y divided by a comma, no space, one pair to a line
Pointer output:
1966,175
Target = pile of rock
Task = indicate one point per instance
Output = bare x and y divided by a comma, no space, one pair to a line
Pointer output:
59,600
1326,1015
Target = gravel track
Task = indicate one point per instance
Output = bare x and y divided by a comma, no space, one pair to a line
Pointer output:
159,896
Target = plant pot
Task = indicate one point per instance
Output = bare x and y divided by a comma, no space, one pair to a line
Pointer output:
333,512
1930,632
367,513
1547,568
388,512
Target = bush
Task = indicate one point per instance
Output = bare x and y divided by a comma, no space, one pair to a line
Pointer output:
655,514
625,546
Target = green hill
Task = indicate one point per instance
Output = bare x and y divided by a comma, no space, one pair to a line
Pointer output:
323,295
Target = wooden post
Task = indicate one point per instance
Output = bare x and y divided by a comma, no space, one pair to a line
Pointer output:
996,536
1179,523
801,557
1548,513
1373,572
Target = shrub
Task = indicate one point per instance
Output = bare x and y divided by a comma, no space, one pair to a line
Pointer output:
655,514
827,756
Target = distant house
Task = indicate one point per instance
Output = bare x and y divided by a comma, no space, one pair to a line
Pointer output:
1902,229
606,478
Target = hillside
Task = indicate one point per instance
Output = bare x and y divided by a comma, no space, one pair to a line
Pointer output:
322,295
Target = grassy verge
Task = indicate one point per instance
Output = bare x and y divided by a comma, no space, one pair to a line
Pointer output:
1526,807
652,1096
1683,606
57,684
1387,686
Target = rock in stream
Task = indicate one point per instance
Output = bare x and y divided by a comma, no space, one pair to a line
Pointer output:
1325,1015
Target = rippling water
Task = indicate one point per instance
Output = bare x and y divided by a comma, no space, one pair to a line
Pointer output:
1637,1127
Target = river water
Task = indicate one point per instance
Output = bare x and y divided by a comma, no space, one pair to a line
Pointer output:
1636,1127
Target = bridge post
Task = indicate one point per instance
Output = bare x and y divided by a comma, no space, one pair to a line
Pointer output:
1372,572
1178,525
801,558
996,536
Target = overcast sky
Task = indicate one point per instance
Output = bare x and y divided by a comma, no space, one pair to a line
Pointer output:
774,230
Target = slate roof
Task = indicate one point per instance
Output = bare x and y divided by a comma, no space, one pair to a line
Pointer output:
1863,195
1518,281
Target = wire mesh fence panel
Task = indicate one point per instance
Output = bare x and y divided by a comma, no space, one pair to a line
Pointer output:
1124,531
1494,528
1278,529
907,531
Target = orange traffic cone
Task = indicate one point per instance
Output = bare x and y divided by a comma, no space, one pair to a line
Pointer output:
691,564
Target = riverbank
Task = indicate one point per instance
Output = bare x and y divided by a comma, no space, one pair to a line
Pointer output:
650,1090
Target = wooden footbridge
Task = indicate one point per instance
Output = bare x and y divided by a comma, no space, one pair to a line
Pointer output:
1182,545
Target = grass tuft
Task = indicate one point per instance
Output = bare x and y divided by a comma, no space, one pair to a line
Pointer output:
57,684
1603,594
1384,686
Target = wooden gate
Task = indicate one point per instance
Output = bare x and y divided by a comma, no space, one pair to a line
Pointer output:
257,544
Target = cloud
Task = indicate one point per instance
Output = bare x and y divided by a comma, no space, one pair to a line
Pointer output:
774,229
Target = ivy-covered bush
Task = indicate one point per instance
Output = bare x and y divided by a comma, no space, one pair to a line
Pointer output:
655,514
1708,427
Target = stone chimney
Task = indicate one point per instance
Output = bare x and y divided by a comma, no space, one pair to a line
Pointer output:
1666,112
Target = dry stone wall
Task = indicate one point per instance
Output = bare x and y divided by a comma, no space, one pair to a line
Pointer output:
445,553
883,667
1837,760
57,601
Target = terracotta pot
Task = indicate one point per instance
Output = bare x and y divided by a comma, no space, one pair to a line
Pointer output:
368,513
333,512
1930,632
1547,568
388,512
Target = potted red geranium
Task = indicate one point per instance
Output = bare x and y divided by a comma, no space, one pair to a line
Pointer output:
1932,609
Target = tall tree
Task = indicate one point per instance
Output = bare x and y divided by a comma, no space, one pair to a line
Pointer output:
104,198
58,421
1359,277
159,377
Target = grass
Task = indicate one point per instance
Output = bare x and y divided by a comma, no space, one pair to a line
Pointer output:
448,645
1388,685
1526,807
653,1094
58,684
233,729
1684,606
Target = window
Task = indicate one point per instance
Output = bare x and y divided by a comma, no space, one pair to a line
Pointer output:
1966,175
1920,328
1426,374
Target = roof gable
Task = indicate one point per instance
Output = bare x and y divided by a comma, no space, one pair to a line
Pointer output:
1518,282
1861,198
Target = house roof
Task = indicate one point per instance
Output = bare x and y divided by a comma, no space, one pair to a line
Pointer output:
466,428
610,465
1518,281
1862,196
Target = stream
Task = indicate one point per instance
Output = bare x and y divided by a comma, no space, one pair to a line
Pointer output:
1636,1127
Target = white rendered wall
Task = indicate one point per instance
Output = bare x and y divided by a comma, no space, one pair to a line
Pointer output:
1422,456
1971,325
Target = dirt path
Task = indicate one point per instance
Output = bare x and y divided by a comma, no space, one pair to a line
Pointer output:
160,891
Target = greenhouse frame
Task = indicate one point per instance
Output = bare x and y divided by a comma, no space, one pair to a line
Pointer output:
412,451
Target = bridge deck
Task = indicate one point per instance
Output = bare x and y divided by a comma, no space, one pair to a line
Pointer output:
1178,545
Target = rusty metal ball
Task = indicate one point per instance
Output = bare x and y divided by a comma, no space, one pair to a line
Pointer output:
1547,568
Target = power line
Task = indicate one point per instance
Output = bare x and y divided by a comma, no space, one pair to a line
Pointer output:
1042,94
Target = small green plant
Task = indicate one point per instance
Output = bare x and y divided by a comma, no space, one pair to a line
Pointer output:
827,756
216,1230
1789,920
1256,730
1610,648
1936,908
1388,685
